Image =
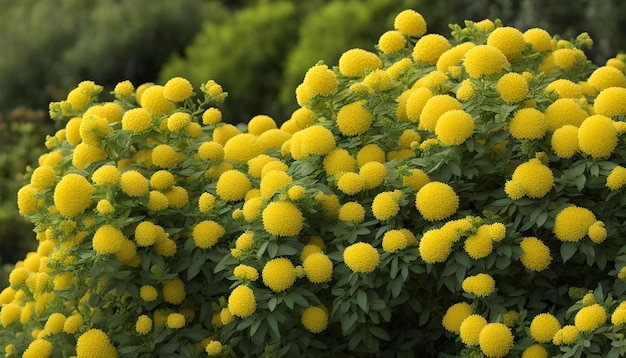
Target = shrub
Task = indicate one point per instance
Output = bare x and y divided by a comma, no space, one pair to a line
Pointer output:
474,243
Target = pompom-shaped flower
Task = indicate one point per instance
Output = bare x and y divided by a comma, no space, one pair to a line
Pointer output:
137,120
41,348
154,101
282,219
134,184
590,318
410,22
617,179
607,76
319,80
106,175
314,319
536,254
316,140
174,291
279,274
597,136
10,313
564,88
455,315
177,89
470,329
436,201
245,272
318,267
484,60
572,223
352,212
454,127
429,47
480,285
528,123
232,185
543,327
339,160
535,351
611,102
512,87
495,340
175,321
43,177
178,121
391,41
143,324
353,119
453,56
385,205
72,323
354,62
509,40
214,348
540,39
565,141
95,343
562,112
434,108
479,245
72,195
536,178
436,246
148,293
85,154
26,200
212,115
206,233
242,147
597,232
361,257
394,240
373,174
107,239
350,183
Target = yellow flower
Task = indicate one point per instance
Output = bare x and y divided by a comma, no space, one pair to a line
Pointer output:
351,183
10,313
495,340
106,175
536,178
540,39
296,192
480,285
177,89
279,274
455,315
368,153
211,116
314,319
572,223
43,177
245,272
214,348
93,128
509,40
319,80
72,131
410,22
510,318
241,302
107,239
143,324
565,58
436,201
536,254
318,267
512,87
416,180
104,207
164,156
134,184
154,101
352,212
484,60
337,161
611,102
568,334
260,124
252,208
399,67
617,178
27,202
137,120
361,257
453,56
72,323
436,245
354,62
282,219
353,119
175,321
429,47
273,181
394,240
39,348
385,205
597,136
85,154
434,108
242,147
597,233
607,76
18,275
470,329
373,174
565,88
416,101
148,293
565,141
543,327
465,91
391,41
174,291
95,343
479,245
535,351
206,233
590,318
528,123
232,185
316,140
454,127
72,195
77,99
562,112
178,121
123,89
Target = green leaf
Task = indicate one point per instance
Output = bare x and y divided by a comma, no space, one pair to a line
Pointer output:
568,249
347,322
379,333
271,304
361,300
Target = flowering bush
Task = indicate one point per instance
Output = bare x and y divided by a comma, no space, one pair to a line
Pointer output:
459,197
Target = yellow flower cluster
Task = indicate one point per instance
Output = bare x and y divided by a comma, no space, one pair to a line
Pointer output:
480,285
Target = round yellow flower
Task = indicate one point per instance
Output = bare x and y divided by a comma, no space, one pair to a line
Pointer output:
85,154
436,245
597,232
470,329
543,327
177,121
495,340
484,60
273,181
617,178
40,348
206,233
77,99
540,39
455,315
350,183
565,88
535,351
590,318
597,136
611,102
466,90
369,153
373,174
314,319
528,123
27,202
107,239
354,62
512,87
316,140
509,40
391,41
385,205
454,127
148,293
361,257
72,131
479,245
453,56
564,111
93,128
177,89
143,324
106,175
410,22
416,180
353,119
72,323
434,108
416,101
394,240
43,177
279,274
565,58
134,184
352,212
565,141
123,89
154,101
337,161
242,147
214,348
319,80
175,321
568,334
232,185
318,267
211,116
436,201
537,179
282,219
260,124
164,156
136,120
10,313
72,195
245,272
429,47
536,254
105,207
95,343
480,285
607,76
174,291
572,223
